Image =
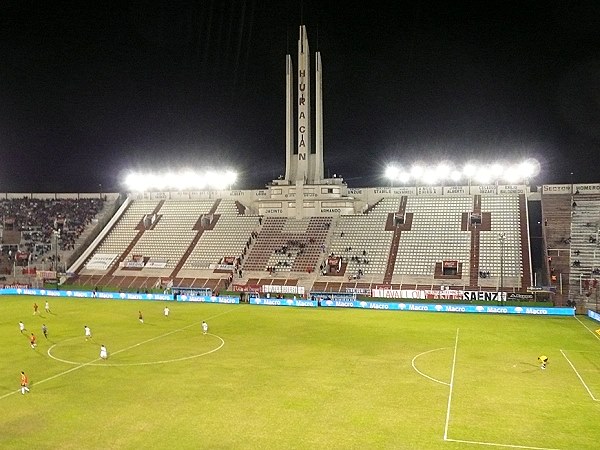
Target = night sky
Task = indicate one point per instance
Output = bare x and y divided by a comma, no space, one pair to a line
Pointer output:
90,90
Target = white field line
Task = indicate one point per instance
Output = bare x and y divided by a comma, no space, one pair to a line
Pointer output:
586,327
493,444
451,387
149,363
462,441
580,377
425,375
118,351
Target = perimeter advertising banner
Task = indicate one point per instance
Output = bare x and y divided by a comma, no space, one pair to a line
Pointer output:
450,294
593,315
309,303
448,308
284,302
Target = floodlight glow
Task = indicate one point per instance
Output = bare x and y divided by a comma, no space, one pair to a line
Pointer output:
492,172
529,168
512,175
416,171
442,171
430,177
455,175
184,180
497,170
404,177
230,177
470,170
484,175
391,172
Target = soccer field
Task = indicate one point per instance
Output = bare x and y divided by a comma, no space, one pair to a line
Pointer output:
269,377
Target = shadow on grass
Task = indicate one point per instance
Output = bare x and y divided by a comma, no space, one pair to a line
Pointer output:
529,367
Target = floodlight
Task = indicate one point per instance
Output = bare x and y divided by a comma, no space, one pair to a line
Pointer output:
455,175
497,170
469,170
529,168
512,174
391,172
230,177
443,170
404,177
430,176
416,171
484,175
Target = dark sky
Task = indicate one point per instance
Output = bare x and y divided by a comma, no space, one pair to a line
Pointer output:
89,90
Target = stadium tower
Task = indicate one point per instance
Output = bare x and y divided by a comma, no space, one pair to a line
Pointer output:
304,191
303,166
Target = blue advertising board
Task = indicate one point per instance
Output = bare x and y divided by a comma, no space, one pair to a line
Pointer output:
284,302
593,315
482,309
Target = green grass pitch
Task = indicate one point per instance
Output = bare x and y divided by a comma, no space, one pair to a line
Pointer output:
268,377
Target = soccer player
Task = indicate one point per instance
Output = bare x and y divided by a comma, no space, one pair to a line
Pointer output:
45,330
32,340
204,327
543,359
21,327
47,306
103,352
24,383
88,332
140,317
35,309
166,310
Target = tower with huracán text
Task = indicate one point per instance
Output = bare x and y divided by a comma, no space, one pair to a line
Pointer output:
303,164
304,191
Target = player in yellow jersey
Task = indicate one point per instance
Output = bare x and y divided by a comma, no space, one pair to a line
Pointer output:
543,359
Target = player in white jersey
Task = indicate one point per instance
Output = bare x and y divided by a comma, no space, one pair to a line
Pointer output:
103,352
88,332
204,327
167,311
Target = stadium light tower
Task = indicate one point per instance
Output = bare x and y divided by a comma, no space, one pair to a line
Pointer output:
502,239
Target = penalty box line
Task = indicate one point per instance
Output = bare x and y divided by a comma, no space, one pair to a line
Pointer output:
589,391
463,441
73,369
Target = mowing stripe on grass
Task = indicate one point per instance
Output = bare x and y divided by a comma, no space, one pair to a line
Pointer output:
580,377
118,351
